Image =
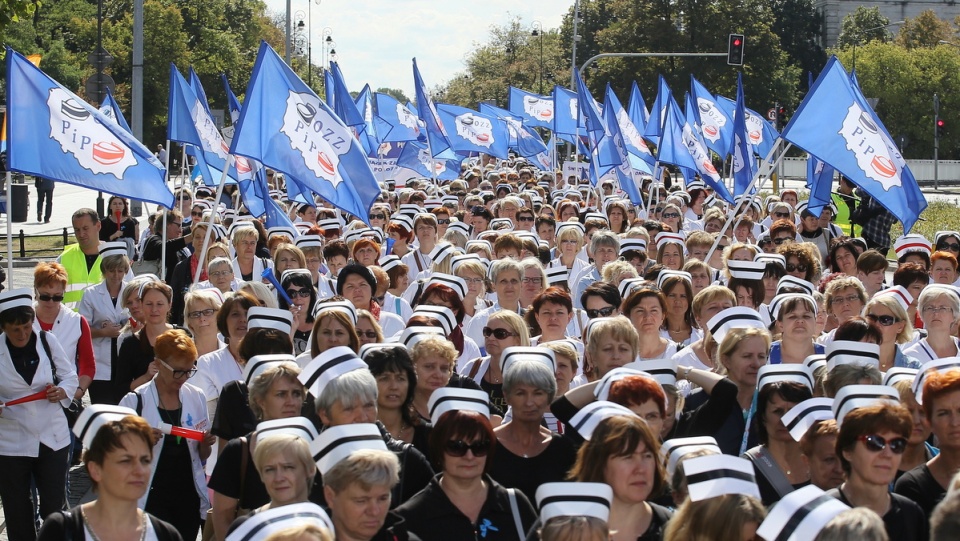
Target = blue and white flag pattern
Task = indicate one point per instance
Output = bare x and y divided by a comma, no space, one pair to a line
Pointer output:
437,140
632,136
396,122
111,109
535,110
415,156
744,164
470,131
716,127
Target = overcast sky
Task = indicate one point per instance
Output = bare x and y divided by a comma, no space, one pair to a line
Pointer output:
376,39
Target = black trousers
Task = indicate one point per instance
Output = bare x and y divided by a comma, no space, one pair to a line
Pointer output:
41,194
48,470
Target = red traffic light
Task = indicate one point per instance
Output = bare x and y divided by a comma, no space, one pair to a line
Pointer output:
940,123
736,42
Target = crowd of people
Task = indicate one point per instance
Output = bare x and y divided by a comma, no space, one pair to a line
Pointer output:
511,355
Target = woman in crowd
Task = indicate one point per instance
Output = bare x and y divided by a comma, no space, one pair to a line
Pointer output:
118,225
886,311
796,317
434,359
503,329
671,216
927,484
803,261
298,285
463,499
617,217
175,247
569,244
670,252
200,310
288,257
918,451
178,486
275,393
943,268
778,461
870,444
220,274
247,266
624,453
368,330
646,309
356,284
679,325
552,311
474,273
708,303
528,454
843,256
102,307
216,369
533,281
136,363
718,410
71,329
286,469
396,388
183,274
437,294
939,309
34,436
845,299
333,326
118,460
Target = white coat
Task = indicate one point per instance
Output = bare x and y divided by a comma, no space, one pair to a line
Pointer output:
97,308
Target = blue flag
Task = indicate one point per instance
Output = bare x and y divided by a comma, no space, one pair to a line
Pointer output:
636,146
343,104
197,87
623,171
567,122
603,151
470,131
52,133
436,134
524,139
284,125
329,89
654,128
535,110
415,156
761,133
836,124
744,164
394,121
715,126
820,184
368,133
233,104
637,108
680,146
111,109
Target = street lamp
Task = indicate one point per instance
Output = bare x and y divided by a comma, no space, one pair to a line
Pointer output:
576,38
326,46
538,33
861,34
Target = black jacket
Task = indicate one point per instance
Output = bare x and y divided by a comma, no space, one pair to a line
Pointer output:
180,281
433,517
68,526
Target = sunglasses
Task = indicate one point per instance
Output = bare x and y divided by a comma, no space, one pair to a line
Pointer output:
526,218
378,216
886,321
876,444
443,222
206,313
48,298
949,246
799,267
179,374
459,448
499,334
600,312
670,215
781,240
302,293
372,335
782,214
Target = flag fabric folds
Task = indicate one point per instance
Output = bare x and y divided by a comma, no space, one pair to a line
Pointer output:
654,128
189,122
637,108
470,131
602,149
285,126
343,104
524,139
715,127
820,184
623,171
535,110
52,133
744,164
837,125
632,135
415,156
111,109
368,132
395,122
680,146
436,134
567,122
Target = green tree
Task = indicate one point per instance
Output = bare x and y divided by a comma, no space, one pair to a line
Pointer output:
863,26
12,11
926,30
396,93
799,26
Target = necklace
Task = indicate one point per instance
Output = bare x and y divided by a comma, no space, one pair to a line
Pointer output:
399,433
93,534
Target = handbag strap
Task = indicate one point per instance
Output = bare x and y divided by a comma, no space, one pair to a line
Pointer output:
244,461
515,509
770,471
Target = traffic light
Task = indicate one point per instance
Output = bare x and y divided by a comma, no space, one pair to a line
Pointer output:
781,117
735,50
941,125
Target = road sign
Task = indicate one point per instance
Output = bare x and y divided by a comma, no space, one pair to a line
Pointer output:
100,59
96,87
771,114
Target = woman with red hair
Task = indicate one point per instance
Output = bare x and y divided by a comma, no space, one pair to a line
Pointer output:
366,252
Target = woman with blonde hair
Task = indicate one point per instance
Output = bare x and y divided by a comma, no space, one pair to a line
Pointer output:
533,280
569,244
731,517
368,330
434,359
503,329
474,273
200,310
611,342
889,315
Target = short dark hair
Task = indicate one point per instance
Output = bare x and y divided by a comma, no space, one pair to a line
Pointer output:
788,391
92,214
242,298
871,261
108,438
616,436
18,315
302,280
909,273
264,341
462,425
360,270
605,290
870,420
396,359
335,248
857,329
755,287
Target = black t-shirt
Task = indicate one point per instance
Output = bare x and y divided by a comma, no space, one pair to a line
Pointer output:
495,391
226,477
527,474
918,485
233,417
91,260
904,521
25,359
174,468
301,340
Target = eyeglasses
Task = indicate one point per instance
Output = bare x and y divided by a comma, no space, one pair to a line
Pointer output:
473,280
372,335
185,198
499,334
178,224
937,309
48,298
179,374
670,215
378,216
953,247
443,222
205,313
782,214
525,218
799,267
600,312
780,240
876,444
886,321
302,293
535,281
218,274
459,448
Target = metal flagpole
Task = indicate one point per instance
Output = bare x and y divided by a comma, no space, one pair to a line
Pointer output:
206,237
163,237
768,166
9,185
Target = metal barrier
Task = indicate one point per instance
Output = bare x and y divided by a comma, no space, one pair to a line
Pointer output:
55,247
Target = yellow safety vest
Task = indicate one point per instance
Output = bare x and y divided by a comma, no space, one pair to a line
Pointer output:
78,278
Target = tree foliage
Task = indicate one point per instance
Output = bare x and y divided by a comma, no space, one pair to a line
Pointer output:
863,26
799,26
926,30
12,11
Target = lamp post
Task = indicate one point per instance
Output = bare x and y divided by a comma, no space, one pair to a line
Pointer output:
860,36
538,33
576,38
326,46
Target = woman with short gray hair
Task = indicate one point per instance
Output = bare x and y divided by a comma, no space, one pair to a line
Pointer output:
528,454
939,309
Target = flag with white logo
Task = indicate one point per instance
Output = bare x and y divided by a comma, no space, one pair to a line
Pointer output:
623,171
680,146
522,138
602,149
632,136
415,156
761,133
470,131
368,133
534,109
52,133
837,125
395,122
744,164
427,111
716,127
111,109
567,122
285,126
